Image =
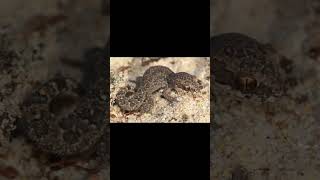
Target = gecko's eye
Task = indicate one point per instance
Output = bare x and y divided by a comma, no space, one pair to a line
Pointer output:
246,83
200,85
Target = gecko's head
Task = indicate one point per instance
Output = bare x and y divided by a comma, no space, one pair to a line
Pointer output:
186,81
195,84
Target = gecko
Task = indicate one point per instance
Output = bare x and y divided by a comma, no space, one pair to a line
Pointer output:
246,65
65,117
155,78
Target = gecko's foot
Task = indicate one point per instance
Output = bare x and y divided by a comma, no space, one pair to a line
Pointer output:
168,97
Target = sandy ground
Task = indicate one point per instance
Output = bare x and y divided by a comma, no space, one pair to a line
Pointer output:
191,108
276,140
44,33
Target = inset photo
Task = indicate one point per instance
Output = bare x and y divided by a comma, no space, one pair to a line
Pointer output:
160,90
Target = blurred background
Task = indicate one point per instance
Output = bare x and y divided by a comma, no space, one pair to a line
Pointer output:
49,37
279,139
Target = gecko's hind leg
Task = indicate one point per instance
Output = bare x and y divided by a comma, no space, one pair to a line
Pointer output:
167,96
147,105
138,82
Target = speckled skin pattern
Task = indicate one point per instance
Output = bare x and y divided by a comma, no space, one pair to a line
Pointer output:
154,79
10,60
14,75
239,173
63,118
184,81
247,65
